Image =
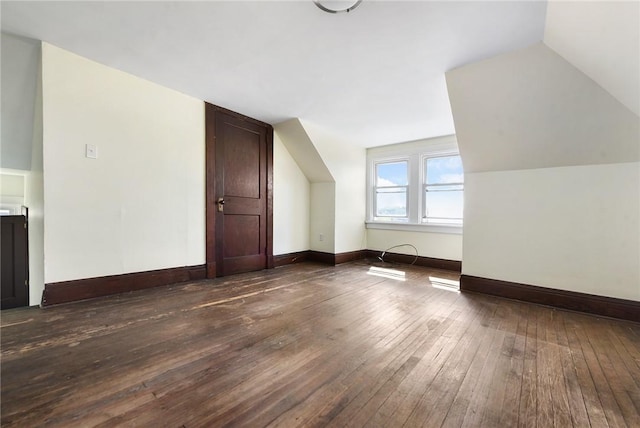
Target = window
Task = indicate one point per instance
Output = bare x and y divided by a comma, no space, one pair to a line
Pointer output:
391,191
443,184
416,186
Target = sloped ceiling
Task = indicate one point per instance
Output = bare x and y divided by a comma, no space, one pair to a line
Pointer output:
602,39
295,138
374,76
20,59
533,109
572,100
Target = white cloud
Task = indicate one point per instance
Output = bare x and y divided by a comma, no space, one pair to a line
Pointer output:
452,178
383,182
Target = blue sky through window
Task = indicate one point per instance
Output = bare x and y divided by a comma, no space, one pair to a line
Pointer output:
391,195
443,199
392,174
445,169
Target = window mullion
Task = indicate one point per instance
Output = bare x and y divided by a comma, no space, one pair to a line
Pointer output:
413,190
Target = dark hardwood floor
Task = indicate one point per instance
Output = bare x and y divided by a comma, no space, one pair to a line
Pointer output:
311,345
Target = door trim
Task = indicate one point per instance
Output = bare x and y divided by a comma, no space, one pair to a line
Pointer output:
210,185
20,258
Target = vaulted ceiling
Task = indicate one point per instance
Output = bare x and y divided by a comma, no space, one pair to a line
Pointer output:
373,76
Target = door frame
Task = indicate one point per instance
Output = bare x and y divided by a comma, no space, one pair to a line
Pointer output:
210,185
21,263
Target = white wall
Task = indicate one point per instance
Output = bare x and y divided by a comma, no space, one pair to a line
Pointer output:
602,39
351,202
319,195
347,165
299,145
34,200
571,228
551,175
322,218
21,148
20,63
533,109
12,185
291,202
336,172
140,205
436,245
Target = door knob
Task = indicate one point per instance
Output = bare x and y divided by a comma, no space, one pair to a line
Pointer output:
220,204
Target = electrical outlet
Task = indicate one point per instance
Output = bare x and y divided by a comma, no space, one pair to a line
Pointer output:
321,237
91,151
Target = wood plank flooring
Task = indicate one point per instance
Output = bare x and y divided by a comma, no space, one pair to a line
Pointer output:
311,345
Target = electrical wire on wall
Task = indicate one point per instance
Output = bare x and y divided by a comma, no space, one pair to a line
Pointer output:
415,259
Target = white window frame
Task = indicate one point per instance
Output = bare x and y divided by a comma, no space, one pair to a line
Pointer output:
415,153
403,219
424,185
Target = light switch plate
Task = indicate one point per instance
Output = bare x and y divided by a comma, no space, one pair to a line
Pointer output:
91,151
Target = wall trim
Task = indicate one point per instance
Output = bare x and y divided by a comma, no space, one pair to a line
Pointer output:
430,262
336,259
322,257
572,300
81,289
290,258
350,256
318,256
70,291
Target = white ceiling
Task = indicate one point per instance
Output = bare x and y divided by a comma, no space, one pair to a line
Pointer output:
373,76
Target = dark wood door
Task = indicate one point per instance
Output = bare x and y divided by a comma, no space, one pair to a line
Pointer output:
241,200
14,289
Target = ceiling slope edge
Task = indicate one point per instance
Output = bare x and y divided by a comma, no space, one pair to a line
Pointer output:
299,144
531,109
601,39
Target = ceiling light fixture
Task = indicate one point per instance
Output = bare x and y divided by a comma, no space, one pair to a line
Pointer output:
337,6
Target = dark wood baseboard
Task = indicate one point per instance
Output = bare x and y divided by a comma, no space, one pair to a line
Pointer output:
350,256
322,257
597,305
287,259
336,259
197,272
210,269
430,262
81,289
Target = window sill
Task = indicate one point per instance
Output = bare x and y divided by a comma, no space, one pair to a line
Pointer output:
415,227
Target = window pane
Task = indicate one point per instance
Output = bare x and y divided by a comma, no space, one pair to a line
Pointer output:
391,202
443,205
392,174
444,187
445,169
